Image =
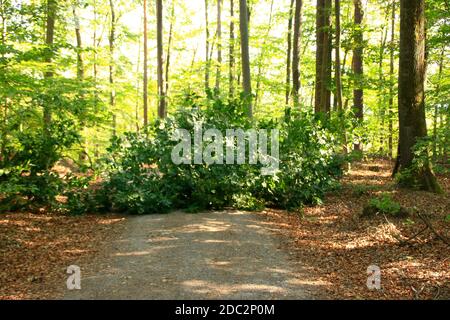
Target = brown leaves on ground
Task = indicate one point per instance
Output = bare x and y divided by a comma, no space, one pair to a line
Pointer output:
338,246
36,249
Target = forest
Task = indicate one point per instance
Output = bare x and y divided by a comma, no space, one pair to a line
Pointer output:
356,94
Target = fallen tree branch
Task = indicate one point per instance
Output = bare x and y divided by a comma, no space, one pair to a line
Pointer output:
430,226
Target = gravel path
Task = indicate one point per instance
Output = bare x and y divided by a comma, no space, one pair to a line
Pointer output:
219,255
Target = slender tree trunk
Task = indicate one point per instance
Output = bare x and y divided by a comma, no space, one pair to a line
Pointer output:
411,101
296,52
207,62
261,58
382,93
391,82
245,54
145,84
112,43
289,59
338,73
358,94
159,39
231,51
169,48
436,109
219,45
323,57
138,86
80,63
49,41
5,100
80,70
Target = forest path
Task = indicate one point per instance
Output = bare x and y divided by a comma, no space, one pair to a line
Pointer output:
216,255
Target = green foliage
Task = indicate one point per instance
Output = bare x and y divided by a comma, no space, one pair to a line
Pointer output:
143,179
385,204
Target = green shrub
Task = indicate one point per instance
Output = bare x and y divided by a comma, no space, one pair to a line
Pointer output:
385,204
141,178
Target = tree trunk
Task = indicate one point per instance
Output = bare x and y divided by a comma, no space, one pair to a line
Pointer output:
112,40
381,87
323,57
391,82
338,73
159,39
219,45
49,41
245,54
289,59
358,93
436,109
262,56
145,84
296,52
169,48
411,102
80,63
207,62
4,126
231,53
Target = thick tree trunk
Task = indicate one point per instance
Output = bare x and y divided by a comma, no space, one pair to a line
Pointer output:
145,84
411,101
358,93
289,58
245,54
159,39
296,53
323,57
231,51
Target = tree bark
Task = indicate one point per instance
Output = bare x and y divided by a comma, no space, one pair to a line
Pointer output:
436,109
80,62
219,45
169,48
411,101
112,39
49,41
245,54
289,58
296,52
323,57
159,39
338,73
145,84
391,82
231,51
358,93
262,56
207,44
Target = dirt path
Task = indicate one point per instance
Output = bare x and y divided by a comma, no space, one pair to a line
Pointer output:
222,255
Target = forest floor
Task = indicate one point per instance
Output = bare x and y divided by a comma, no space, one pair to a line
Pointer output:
322,252
338,245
